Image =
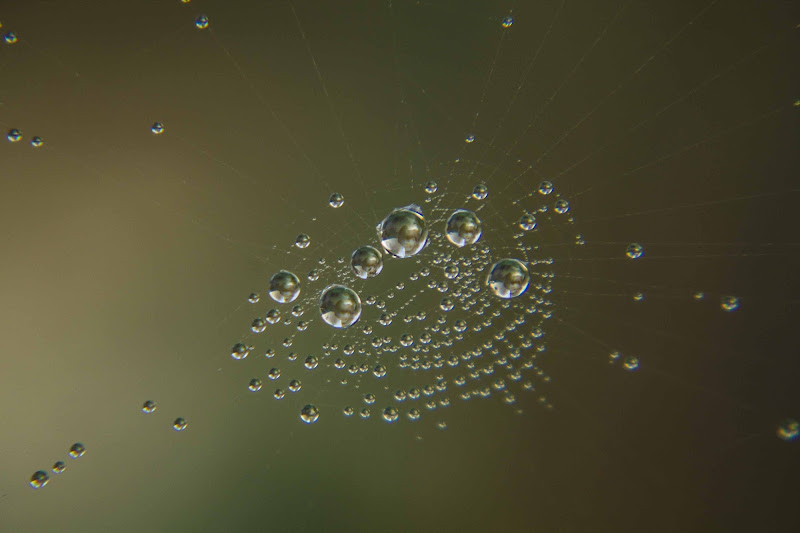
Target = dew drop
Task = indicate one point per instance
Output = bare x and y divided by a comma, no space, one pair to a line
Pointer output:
463,228
788,429
390,414
14,135
309,414
340,306
284,287
149,407
179,424
508,278
58,467
39,479
157,128
508,21
480,192
403,232
302,241
634,250
729,303
201,22
336,200
366,262
77,450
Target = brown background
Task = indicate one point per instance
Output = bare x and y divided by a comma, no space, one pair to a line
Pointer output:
127,259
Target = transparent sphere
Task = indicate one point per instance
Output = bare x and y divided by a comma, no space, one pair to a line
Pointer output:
39,479
309,414
390,414
508,278
403,232
37,141
431,187
201,22
149,407
469,139
545,187
239,351
58,467
527,222
788,429
284,287
729,303
295,385
463,228
10,37
157,128
480,192
273,316
367,262
274,373
340,306
254,298
311,362
451,271
302,241
179,424
258,325
336,200
561,207
446,304
631,363
14,135
508,21
255,385
635,250
77,450
414,414
279,394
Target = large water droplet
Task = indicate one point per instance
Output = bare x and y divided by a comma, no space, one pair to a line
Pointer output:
508,278
367,262
403,232
463,228
284,287
340,306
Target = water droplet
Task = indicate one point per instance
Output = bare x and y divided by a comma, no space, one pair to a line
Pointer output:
279,394
14,135
403,232
527,222
561,207
508,278
729,303
463,228
302,241
340,306
635,250
179,424
414,414
284,287
431,187
545,187
480,192
379,371
508,21
309,414
254,298
37,141
274,373
201,22
77,450
391,414
631,363
470,139
336,200
451,271
255,385
638,297
295,385
10,37
157,128
788,429
367,262
311,362
59,467
149,407
239,351
446,304
39,479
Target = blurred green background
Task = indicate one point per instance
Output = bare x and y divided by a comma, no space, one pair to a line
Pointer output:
128,258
